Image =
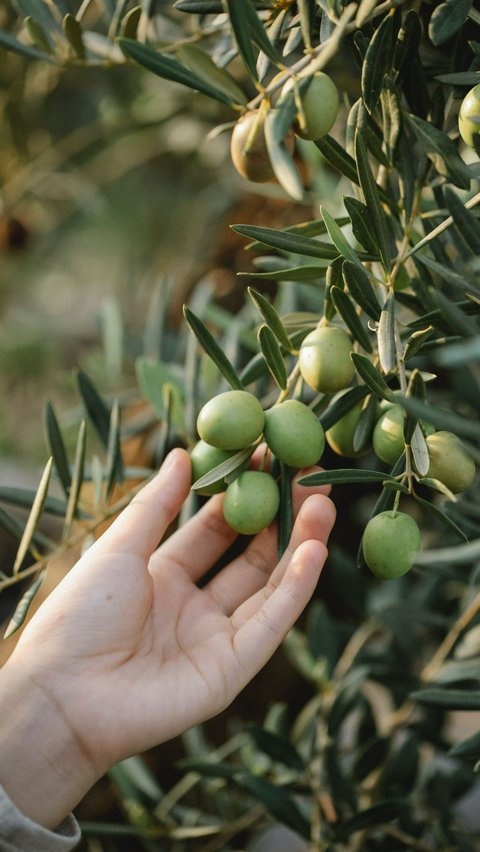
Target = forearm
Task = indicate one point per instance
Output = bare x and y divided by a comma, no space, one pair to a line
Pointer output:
42,766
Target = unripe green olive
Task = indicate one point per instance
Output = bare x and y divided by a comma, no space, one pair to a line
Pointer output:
320,104
340,435
388,440
324,359
248,148
204,458
231,420
391,543
469,118
294,434
450,461
251,502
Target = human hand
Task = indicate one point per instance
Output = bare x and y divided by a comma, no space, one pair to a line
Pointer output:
128,652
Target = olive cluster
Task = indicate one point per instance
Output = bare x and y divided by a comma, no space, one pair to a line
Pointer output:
318,109
235,420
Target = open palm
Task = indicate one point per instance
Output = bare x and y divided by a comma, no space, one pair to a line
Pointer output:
128,647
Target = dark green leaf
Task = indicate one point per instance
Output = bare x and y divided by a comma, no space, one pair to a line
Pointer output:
130,23
277,801
460,78
57,447
9,42
200,63
447,19
278,748
277,124
455,671
96,408
285,241
469,748
37,34
363,433
369,757
449,699
444,518
34,516
21,610
446,274
293,273
467,224
361,224
77,478
340,242
443,153
344,477
391,116
271,317
342,405
238,14
169,69
74,34
346,309
273,356
338,157
416,341
377,63
361,289
382,812
372,200
114,464
285,513
408,41
207,769
386,335
212,348
372,377
441,418
333,278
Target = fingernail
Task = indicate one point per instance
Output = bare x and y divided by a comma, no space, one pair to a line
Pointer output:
169,461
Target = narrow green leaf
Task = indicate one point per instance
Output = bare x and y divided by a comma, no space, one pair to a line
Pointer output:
201,64
333,278
448,699
372,377
442,516
447,274
285,512
293,273
382,812
271,318
169,68
391,116
273,356
277,801
362,438
278,748
277,123
377,62
361,224
447,19
212,348
345,308
9,42
257,31
74,34
25,497
114,463
130,22
338,157
467,224
420,451
460,78
294,243
34,516
416,341
469,748
408,41
96,408
77,479
226,468
241,31
441,418
37,34
21,610
386,335
207,768
442,152
342,405
57,447
344,477
361,289
338,239
372,200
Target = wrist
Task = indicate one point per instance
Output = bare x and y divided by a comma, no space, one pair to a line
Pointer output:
44,767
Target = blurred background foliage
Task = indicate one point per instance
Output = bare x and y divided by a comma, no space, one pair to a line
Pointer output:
115,211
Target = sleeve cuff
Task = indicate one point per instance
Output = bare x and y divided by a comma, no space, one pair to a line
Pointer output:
18,833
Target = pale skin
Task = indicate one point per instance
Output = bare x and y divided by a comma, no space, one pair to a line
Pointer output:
128,652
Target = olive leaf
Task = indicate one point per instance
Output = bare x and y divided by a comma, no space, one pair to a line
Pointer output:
212,348
345,477
372,377
294,243
276,126
386,335
74,34
447,19
443,153
22,608
342,405
77,479
226,468
34,516
271,318
361,289
57,447
346,309
338,239
273,356
377,62
372,200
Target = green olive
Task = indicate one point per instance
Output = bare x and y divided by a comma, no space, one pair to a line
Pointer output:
388,440
469,119
248,148
231,420
204,458
294,434
450,461
320,104
251,502
324,359
340,435
391,543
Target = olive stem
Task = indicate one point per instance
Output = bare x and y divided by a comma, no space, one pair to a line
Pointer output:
284,394
395,504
